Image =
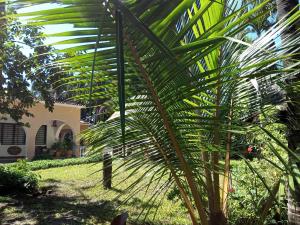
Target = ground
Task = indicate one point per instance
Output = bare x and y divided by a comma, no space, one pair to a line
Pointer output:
74,195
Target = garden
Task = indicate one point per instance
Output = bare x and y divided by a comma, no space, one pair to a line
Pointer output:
71,192
192,106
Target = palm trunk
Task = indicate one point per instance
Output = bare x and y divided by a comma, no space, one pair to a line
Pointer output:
293,124
227,163
217,215
209,181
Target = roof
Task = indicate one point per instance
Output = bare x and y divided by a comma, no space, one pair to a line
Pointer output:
66,104
84,122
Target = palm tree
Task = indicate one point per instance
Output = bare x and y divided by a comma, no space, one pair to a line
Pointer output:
285,9
195,72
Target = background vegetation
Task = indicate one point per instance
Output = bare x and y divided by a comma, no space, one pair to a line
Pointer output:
193,85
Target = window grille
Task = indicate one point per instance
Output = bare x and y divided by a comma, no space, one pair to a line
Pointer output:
12,134
41,136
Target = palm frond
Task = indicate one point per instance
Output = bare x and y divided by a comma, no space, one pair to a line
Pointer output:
192,65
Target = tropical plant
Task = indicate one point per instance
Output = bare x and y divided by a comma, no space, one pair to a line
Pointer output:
197,79
292,110
57,145
265,17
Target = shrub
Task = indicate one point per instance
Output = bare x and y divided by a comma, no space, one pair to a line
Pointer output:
45,164
245,202
248,193
57,145
18,178
43,157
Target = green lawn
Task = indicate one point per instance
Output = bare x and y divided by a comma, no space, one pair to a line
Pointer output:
75,196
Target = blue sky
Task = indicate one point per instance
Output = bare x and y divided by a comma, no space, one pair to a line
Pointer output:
49,29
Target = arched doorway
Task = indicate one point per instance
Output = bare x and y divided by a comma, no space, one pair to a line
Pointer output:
65,139
54,136
66,133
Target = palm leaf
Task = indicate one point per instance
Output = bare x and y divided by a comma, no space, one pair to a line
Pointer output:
189,62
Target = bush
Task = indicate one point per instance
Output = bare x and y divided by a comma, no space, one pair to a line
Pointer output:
18,178
45,164
248,193
245,202
43,157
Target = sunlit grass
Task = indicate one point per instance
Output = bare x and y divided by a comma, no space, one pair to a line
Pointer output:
84,182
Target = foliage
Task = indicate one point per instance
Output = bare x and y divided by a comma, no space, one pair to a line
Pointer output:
66,144
264,18
255,136
287,9
248,192
45,164
57,145
200,84
42,157
18,178
24,76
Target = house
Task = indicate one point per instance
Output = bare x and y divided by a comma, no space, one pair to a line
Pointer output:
46,128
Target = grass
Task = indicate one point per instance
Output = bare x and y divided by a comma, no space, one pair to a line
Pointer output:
74,195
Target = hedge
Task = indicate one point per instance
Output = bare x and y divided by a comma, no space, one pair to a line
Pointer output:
45,164
18,178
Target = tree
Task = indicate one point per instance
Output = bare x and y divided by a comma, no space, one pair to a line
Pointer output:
264,18
20,71
194,70
286,9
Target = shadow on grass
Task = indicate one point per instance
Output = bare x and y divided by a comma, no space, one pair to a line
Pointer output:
50,209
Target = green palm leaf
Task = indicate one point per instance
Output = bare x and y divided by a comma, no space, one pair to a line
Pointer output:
190,61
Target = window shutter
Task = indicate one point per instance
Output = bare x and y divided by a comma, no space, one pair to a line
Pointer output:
20,136
8,134
12,134
41,136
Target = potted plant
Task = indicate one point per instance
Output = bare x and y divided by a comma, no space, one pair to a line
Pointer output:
68,147
57,148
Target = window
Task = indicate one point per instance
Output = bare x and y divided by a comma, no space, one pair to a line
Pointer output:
12,134
41,136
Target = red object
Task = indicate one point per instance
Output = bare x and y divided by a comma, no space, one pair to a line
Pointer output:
249,149
231,190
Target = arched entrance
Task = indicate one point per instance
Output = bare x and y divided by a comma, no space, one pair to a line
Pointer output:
56,138
65,132
66,139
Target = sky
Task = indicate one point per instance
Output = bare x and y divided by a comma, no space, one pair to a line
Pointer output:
48,29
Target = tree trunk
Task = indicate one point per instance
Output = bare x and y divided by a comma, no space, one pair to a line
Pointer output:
107,170
293,118
217,216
